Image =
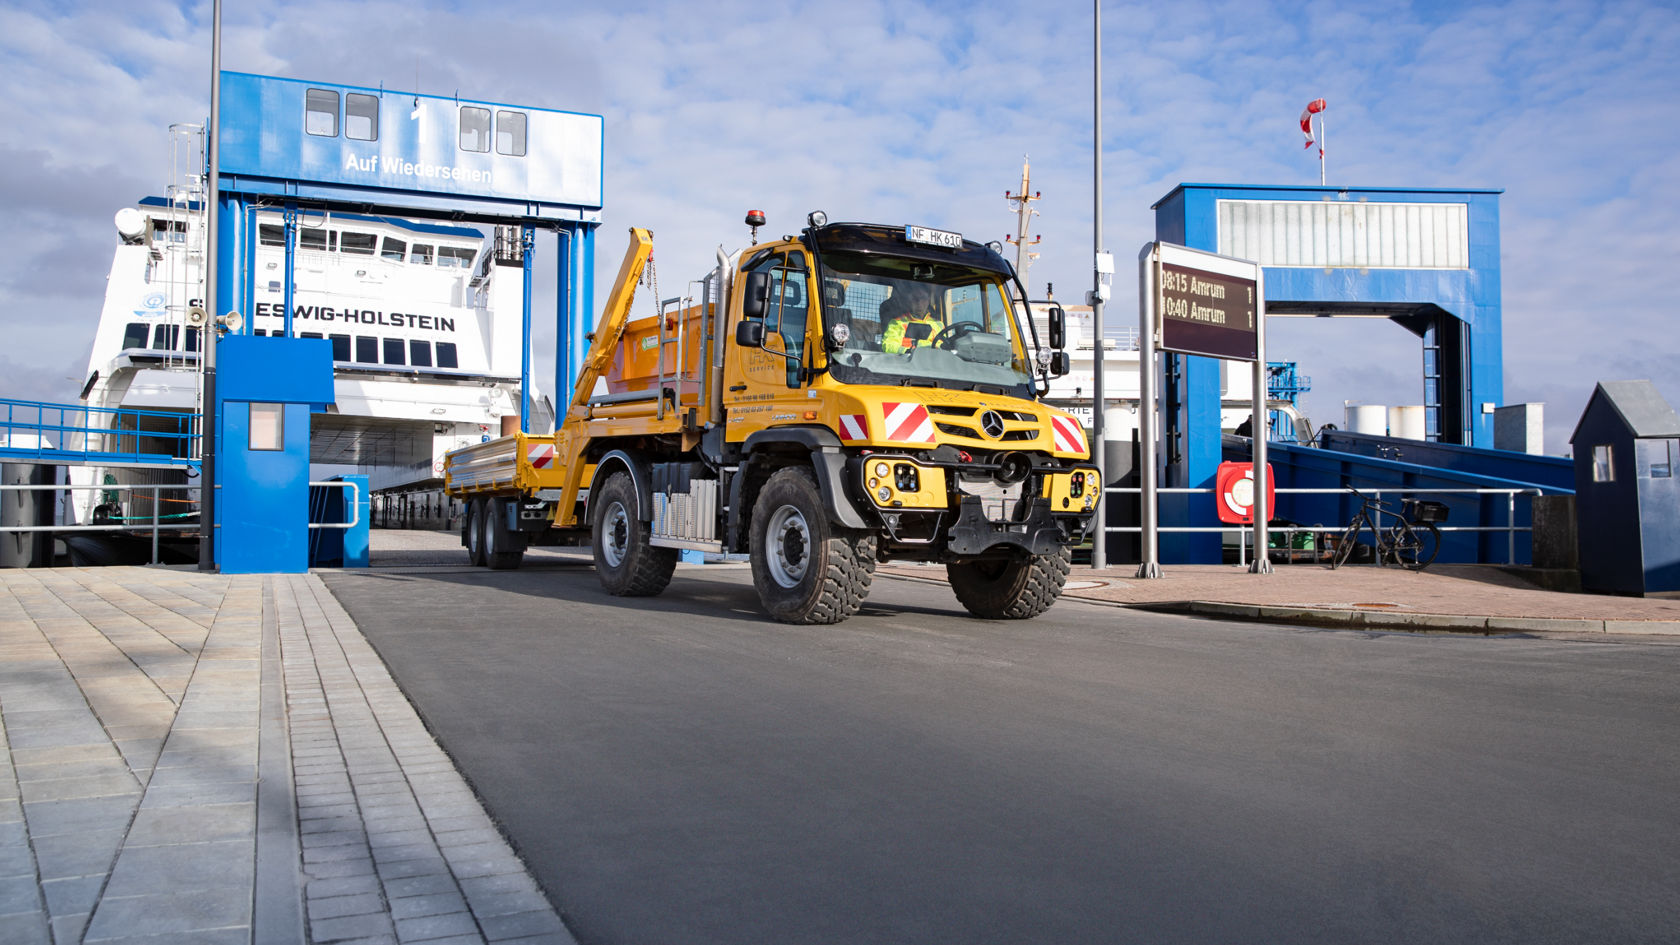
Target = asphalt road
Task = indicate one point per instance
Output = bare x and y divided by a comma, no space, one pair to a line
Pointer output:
682,770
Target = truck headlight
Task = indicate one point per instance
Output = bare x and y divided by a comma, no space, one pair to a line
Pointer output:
884,493
906,478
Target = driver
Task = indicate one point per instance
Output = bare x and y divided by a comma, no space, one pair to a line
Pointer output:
912,304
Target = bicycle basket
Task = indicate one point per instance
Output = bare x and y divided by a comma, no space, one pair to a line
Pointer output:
1424,510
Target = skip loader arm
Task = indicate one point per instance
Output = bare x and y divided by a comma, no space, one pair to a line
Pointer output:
572,435
613,320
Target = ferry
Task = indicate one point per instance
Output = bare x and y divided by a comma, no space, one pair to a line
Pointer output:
425,329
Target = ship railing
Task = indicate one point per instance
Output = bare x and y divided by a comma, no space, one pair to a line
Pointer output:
1289,532
158,521
77,433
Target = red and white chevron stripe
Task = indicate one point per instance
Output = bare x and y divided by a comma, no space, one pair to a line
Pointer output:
853,426
1069,435
908,423
541,455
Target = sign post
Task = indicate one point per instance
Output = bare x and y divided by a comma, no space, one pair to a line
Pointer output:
1195,302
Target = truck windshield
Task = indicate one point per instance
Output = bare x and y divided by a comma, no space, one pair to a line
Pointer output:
915,323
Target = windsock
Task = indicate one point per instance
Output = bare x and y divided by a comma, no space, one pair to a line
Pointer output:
1313,107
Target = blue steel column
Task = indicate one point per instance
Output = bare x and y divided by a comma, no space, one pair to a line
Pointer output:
291,282
564,285
528,252
1198,422
586,312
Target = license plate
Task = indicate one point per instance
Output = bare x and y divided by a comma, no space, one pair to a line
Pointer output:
933,237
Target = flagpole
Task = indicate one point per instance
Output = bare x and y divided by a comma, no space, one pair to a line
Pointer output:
1321,149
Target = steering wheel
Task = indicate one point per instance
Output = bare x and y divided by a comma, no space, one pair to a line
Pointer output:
954,331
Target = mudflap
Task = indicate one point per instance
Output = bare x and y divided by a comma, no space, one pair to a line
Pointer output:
974,534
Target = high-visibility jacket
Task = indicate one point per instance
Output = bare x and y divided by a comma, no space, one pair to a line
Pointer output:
894,341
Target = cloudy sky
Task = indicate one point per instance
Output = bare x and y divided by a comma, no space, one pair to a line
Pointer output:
921,112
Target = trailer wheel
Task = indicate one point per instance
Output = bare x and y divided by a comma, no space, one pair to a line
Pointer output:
504,548
475,532
1012,588
627,564
806,571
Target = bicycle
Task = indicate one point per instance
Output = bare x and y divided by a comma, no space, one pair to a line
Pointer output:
1411,542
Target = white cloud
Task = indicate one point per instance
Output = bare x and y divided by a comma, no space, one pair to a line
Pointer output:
921,111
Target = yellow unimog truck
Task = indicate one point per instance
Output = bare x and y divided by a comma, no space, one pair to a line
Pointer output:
795,412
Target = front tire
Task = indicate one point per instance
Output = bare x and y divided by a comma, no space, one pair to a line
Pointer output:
1013,588
1344,547
628,566
804,570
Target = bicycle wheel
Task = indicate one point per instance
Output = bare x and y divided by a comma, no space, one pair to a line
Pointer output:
1344,545
1412,545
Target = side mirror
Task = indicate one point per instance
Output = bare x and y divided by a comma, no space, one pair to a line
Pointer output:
1058,328
750,334
1060,363
757,300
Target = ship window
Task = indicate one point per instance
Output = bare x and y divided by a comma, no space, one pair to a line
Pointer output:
167,336
261,332
361,244
475,129
193,335
271,234
341,347
320,114
393,249
169,231
510,133
316,239
135,335
268,427
367,350
419,353
422,255
310,334
453,257
361,116
446,355
393,351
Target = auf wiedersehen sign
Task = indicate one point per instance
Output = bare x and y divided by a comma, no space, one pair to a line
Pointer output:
1206,304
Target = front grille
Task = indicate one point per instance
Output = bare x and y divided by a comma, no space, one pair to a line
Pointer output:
1019,435
955,430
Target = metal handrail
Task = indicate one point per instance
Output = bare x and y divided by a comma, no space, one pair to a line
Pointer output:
102,425
355,501
156,525
1511,528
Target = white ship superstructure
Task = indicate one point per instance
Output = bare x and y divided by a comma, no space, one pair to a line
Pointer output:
424,320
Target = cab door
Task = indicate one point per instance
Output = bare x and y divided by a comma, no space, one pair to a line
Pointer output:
764,386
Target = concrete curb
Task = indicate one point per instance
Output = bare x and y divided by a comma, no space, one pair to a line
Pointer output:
1390,620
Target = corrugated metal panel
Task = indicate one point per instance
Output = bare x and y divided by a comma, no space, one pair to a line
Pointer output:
1337,235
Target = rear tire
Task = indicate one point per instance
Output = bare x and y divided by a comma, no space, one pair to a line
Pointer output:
628,566
475,532
805,570
504,548
1415,544
1014,588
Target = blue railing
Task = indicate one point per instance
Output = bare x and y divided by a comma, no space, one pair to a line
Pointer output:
34,431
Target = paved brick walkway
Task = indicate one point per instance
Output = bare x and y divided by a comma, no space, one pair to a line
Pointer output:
189,758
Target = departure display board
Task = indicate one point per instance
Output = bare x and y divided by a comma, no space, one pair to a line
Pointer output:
1208,312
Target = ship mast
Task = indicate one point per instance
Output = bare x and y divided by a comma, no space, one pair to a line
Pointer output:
1023,219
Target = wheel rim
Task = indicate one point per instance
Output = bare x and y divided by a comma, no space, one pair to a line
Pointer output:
615,535
475,532
788,541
